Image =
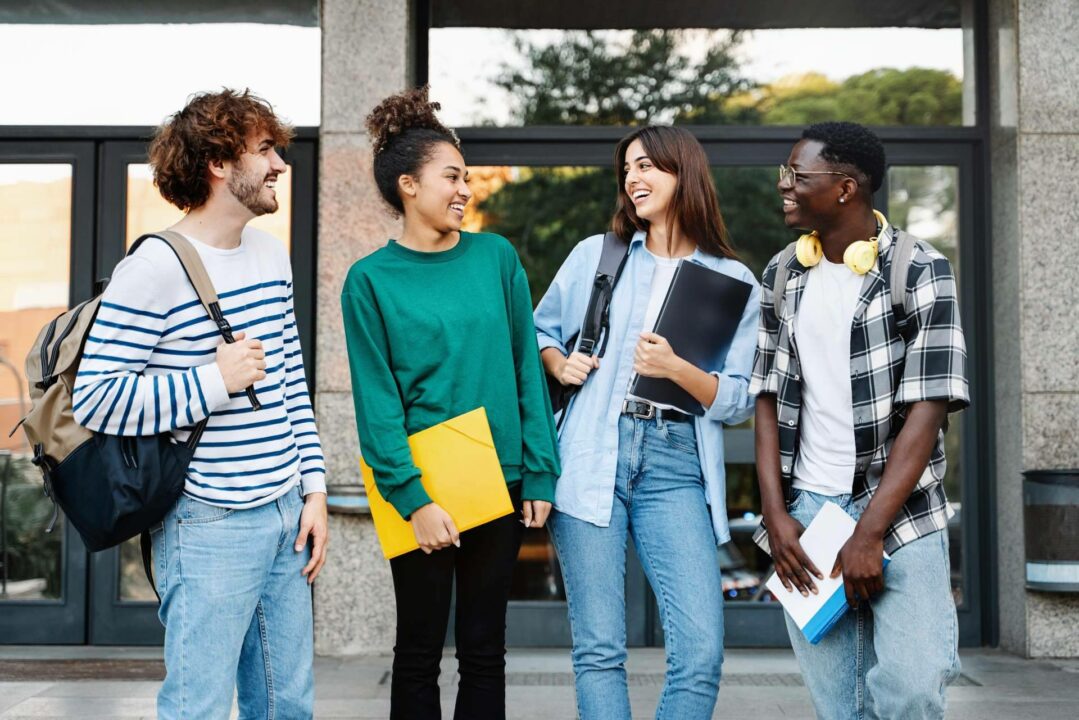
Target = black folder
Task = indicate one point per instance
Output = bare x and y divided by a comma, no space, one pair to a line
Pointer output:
699,317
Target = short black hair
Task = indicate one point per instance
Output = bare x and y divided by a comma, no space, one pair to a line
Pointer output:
847,143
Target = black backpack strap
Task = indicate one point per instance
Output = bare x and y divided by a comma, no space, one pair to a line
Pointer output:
204,288
596,321
147,544
594,327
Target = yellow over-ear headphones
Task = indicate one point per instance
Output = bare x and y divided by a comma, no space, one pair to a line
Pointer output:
859,256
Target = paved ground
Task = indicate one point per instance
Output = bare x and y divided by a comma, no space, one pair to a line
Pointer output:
757,683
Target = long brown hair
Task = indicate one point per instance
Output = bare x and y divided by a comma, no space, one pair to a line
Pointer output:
694,209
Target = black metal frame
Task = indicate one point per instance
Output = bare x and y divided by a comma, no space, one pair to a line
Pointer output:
91,611
60,621
965,147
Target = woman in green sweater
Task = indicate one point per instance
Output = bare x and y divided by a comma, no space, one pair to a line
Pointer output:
438,323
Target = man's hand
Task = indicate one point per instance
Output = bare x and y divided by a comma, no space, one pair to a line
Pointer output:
576,367
792,564
535,513
242,363
434,528
655,358
861,561
314,525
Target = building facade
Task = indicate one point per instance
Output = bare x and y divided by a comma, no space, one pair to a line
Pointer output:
982,162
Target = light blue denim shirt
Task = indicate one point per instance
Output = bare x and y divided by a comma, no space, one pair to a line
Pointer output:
589,438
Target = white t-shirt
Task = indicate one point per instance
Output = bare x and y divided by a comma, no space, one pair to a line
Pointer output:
822,327
661,283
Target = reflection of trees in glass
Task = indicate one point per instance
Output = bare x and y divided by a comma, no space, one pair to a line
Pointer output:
32,557
546,212
917,96
607,78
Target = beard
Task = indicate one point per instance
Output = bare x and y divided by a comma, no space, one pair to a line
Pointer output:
247,189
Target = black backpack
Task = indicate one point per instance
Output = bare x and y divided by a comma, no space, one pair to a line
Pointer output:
592,338
111,488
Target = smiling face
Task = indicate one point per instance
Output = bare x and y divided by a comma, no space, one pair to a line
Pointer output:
253,177
811,202
650,190
438,193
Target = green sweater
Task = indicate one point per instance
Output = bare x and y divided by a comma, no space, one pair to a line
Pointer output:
433,335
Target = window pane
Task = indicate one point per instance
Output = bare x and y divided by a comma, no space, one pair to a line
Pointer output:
120,74
132,578
147,211
35,250
515,77
924,200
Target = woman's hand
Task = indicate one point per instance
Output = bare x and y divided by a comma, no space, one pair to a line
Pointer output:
434,528
576,367
535,513
655,358
792,564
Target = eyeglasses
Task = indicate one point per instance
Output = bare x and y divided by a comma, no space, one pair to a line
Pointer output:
789,174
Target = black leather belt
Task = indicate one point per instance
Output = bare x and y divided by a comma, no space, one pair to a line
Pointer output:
647,411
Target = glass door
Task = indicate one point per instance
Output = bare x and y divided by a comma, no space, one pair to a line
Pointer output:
46,202
547,189
123,607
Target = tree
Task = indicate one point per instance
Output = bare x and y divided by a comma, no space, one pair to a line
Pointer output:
604,78
918,96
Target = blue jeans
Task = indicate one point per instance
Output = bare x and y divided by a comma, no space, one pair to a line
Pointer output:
894,659
659,501
237,612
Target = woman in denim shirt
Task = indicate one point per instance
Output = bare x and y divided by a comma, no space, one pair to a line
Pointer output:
631,468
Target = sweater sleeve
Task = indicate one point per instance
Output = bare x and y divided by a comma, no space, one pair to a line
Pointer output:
298,406
380,415
112,395
540,466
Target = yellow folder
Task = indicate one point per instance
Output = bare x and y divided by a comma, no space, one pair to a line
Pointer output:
461,473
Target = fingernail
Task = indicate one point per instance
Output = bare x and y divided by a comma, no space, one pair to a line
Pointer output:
299,548
457,543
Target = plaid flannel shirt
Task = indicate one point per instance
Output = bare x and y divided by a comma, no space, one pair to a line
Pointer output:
894,362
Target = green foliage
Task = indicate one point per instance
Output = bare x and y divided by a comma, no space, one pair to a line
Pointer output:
918,96
31,552
590,78
548,211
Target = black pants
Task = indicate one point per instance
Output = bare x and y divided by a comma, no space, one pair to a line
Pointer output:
423,584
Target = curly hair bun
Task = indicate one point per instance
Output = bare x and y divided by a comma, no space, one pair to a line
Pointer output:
409,110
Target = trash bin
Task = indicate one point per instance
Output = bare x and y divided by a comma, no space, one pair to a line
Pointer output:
1051,519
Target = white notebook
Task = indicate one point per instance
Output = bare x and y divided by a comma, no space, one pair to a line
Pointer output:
822,541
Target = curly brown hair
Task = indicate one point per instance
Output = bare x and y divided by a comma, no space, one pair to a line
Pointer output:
212,127
404,131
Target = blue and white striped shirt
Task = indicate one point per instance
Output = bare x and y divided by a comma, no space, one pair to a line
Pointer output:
149,367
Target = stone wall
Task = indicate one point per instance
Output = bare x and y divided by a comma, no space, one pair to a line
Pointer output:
1034,152
366,56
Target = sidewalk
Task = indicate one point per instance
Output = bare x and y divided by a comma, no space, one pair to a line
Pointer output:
756,683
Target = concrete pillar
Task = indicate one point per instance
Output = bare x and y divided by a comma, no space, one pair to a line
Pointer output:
367,54
1034,154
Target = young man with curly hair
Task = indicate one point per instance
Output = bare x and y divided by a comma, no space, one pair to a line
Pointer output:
234,558
853,396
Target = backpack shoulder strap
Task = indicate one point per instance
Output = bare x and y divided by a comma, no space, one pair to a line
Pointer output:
779,285
902,254
192,265
612,260
196,273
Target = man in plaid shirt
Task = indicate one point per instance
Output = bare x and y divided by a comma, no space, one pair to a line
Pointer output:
853,396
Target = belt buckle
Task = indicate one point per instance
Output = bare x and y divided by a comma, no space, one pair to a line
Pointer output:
648,416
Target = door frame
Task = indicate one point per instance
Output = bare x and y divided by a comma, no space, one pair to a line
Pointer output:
760,624
91,611
60,621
